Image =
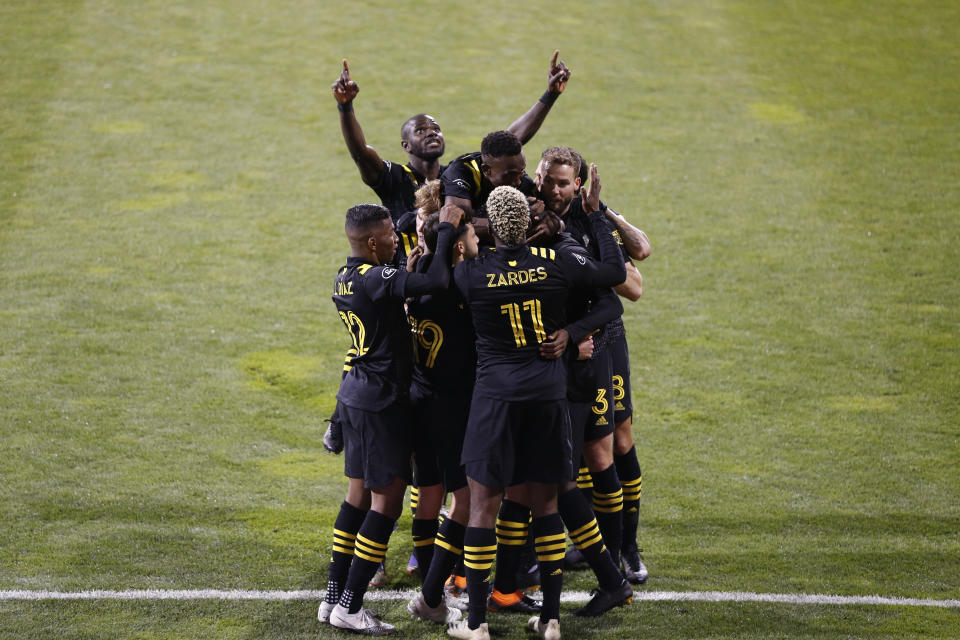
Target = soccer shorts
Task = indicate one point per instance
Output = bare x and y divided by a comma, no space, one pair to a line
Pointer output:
439,428
512,442
377,444
622,403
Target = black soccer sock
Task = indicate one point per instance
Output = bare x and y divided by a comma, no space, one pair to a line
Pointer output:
447,551
585,483
549,541
414,500
424,532
345,530
628,469
513,528
479,550
608,505
585,533
369,552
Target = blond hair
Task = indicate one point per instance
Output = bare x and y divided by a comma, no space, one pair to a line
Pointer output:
509,215
428,198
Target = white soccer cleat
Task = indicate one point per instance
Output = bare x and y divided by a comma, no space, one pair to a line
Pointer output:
380,577
362,621
548,631
633,568
323,613
441,614
462,631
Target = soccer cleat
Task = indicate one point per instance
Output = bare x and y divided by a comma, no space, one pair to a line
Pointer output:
412,565
462,631
514,602
456,586
573,558
633,568
602,600
548,631
323,613
363,621
441,614
380,577
333,437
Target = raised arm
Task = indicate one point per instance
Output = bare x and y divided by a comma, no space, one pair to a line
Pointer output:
635,240
368,161
610,271
527,125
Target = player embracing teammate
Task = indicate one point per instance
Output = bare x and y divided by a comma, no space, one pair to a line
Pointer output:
490,359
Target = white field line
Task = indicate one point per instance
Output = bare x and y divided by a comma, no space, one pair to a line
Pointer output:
568,596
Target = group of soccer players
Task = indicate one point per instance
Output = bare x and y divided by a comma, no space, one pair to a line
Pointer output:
488,346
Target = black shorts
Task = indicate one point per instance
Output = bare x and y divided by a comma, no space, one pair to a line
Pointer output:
512,442
439,428
376,444
599,422
622,403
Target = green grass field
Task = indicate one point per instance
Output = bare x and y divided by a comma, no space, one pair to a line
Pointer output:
171,198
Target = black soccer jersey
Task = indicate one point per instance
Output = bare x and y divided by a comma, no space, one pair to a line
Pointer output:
463,179
517,297
444,345
369,299
397,187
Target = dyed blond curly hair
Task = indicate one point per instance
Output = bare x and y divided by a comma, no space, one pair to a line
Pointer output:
509,215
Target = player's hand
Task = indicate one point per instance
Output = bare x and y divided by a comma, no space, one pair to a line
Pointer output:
413,257
345,89
585,348
451,213
558,75
546,225
555,344
591,197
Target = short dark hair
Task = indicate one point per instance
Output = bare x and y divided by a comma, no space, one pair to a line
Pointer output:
363,216
584,172
499,144
431,224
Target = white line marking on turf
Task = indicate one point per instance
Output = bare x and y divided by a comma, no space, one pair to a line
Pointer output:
568,596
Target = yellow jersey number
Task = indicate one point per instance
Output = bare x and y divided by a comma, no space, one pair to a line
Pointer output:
514,312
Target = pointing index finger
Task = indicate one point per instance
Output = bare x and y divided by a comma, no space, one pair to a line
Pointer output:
553,61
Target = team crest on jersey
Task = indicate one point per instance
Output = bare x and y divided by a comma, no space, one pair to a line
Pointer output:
388,272
580,259
460,182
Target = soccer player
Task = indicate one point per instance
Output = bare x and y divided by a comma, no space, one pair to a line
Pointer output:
442,387
374,404
469,180
557,175
519,429
422,140
638,248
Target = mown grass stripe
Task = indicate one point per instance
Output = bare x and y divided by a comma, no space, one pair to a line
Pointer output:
569,596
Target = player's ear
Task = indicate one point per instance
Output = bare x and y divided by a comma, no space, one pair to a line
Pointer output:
460,247
577,184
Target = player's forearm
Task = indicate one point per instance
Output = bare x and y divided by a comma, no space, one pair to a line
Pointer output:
610,271
632,287
527,125
635,240
606,308
365,157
